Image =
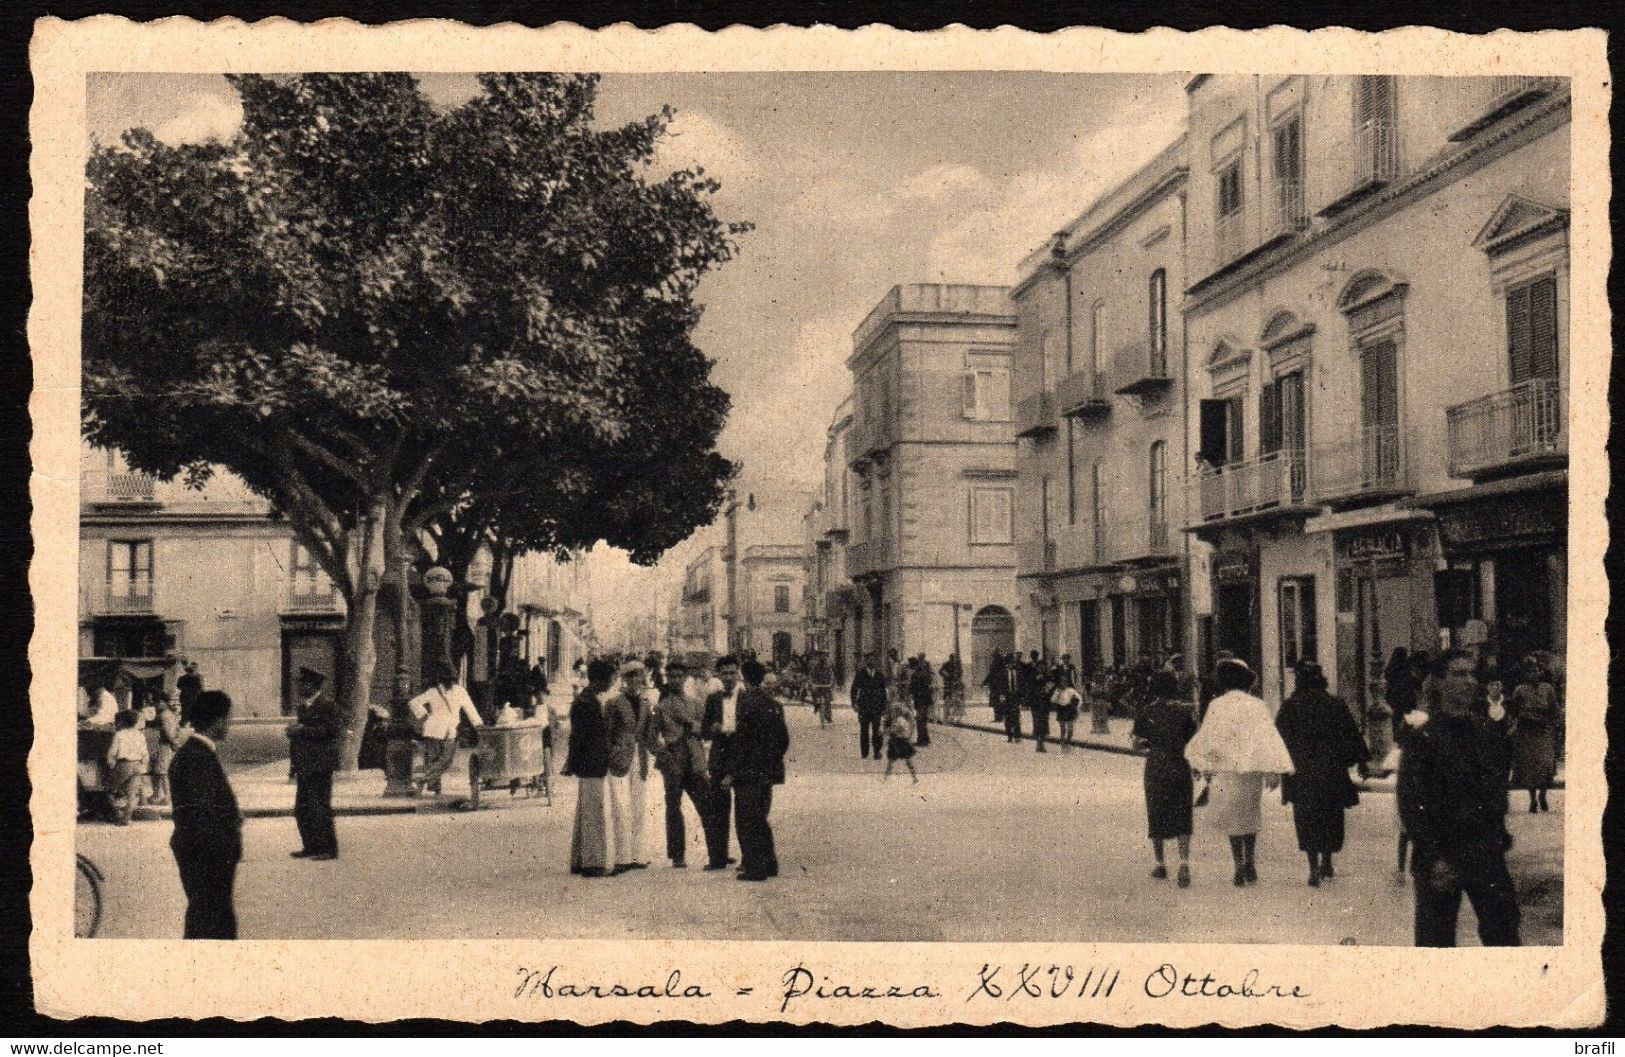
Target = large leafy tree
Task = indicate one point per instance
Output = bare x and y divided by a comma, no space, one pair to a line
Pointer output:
391,319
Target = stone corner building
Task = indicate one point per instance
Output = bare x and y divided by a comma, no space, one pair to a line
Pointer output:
932,499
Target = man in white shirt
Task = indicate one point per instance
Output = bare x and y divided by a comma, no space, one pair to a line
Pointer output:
437,712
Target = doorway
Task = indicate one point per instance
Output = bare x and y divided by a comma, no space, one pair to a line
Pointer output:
782,649
317,650
992,630
1523,600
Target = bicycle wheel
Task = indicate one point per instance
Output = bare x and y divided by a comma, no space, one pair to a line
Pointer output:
87,898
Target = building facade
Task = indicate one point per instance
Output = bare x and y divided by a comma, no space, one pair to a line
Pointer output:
761,553
170,573
1099,388
1377,319
700,627
831,595
553,599
932,501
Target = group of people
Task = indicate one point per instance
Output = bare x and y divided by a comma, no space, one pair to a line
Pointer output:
1457,747
1016,684
145,735
718,740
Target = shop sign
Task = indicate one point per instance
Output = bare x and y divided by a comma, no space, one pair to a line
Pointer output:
1233,569
1477,524
1379,545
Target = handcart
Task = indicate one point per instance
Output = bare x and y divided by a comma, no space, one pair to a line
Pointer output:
518,756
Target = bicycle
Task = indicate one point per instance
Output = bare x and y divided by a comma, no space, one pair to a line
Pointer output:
87,898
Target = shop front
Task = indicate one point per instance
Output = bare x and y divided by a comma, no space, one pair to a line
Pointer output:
1233,626
1385,600
1503,591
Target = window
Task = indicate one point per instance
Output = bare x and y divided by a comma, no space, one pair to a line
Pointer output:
1157,482
1097,321
991,515
1097,507
1159,322
1286,162
1282,424
1297,616
1071,472
1376,144
1532,330
304,573
987,394
1222,436
781,598
129,568
1046,501
1230,200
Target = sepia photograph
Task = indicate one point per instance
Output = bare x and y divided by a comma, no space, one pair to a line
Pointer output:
821,506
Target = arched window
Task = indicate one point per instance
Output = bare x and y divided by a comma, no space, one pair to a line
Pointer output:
1159,323
1157,480
1097,343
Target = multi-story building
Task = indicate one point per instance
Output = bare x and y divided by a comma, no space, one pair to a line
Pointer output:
933,500
553,599
760,549
1377,320
701,625
833,592
1099,387
168,572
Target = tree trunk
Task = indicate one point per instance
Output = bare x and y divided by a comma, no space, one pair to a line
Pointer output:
360,648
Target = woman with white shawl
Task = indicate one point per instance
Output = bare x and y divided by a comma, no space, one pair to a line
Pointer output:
1239,750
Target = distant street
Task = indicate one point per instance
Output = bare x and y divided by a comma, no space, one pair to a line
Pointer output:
995,843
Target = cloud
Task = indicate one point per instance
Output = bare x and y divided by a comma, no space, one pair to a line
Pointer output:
947,181
208,116
697,140
781,427
986,243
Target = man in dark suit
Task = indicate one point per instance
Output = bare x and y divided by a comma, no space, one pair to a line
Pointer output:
719,729
208,837
1015,689
313,739
869,702
587,761
756,765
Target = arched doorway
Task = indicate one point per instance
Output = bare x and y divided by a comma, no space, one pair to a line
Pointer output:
992,630
782,648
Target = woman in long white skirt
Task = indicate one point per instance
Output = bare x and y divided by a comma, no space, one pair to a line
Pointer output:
1239,750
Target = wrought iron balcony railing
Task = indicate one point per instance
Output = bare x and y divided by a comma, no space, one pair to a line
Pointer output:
1140,368
1084,394
1229,239
871,556
1035,415
1251,486
1142,537
1372,162
1372,462
307,595
1512,428
1288,213
1493,98
137,597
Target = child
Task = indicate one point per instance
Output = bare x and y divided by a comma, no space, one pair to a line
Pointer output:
168,720
1067,702
900,737
127,756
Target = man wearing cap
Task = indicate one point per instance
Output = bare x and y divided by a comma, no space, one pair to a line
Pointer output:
628,779
755,766
313,744
718,729
671,735
438,712
1452,802
587,761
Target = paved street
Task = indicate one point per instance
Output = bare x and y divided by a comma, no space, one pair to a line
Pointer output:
996,843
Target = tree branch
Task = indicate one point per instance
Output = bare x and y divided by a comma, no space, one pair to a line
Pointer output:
350,471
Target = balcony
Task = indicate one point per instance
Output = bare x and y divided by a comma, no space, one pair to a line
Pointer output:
1372,465
1035,415
1141,538
1288,213
312,596
1142,369
1516,429
1034,557
868,441
835,533
127,598
1267,484
871,556
1083,394
1494,98
119,489
1373,163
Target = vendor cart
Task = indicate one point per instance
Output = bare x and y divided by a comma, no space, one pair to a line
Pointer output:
518,756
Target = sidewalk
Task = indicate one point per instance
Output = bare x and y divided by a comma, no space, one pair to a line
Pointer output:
265,791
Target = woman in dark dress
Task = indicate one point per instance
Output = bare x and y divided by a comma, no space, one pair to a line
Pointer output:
1325,742
1162,728
1534,734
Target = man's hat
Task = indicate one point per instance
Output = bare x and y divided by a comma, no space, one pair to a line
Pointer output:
632,668
311,675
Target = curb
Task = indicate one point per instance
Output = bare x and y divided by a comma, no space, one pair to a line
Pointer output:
1077,743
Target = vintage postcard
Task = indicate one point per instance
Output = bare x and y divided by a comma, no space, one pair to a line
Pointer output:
818,526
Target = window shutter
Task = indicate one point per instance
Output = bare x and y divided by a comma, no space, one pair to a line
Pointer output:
1159,321
971,409
1235,430
1543,328
998,402
1269,418
1519,347
1214,447
1379,396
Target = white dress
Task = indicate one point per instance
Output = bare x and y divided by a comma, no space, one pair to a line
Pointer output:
1238,744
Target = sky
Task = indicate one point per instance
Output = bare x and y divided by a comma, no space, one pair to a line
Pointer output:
855,182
